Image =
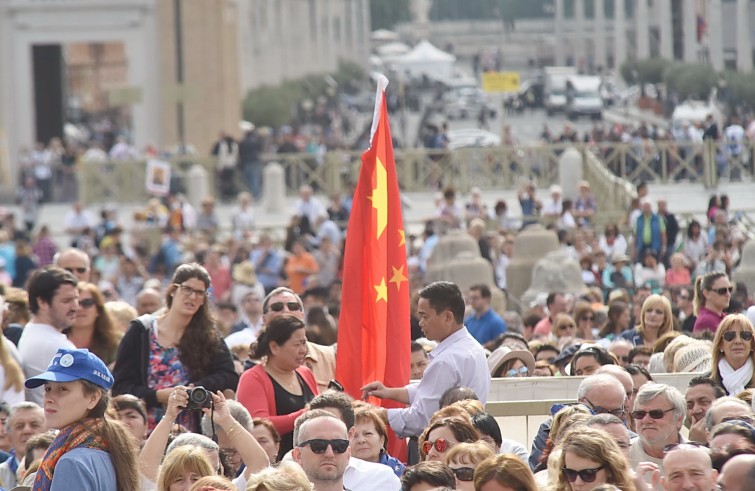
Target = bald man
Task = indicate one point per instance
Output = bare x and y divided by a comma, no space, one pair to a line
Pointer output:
688,467
74,261
738,474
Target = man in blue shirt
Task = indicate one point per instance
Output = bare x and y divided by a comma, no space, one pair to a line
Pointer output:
484,324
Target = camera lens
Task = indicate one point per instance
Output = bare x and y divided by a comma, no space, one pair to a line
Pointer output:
199,395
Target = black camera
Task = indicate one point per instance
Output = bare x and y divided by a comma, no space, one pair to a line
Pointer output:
199,397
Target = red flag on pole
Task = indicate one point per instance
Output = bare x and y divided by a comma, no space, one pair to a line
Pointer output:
374,325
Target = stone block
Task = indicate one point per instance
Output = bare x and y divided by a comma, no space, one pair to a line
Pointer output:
530,245
556,272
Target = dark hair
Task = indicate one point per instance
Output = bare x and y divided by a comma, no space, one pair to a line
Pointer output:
270,427
639,350
201,329
444,295
703,380
601,356
128,401
551,298
483,289
321,327
455,394
615,310
417,347
705,282
435,474
693,223
278,331
720,456
336,400
461,427
486,424
636,370
531,319
36,442
546,347
43,284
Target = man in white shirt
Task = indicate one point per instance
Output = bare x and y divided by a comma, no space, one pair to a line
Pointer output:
309,206
458,360
247,329
53,301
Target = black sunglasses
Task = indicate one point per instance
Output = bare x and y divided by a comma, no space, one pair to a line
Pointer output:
77,270
618,412
319,445
743,335
654,413
587,475
87,303
464,473
278,306
722,291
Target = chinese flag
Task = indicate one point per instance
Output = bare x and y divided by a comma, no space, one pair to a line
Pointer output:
374,326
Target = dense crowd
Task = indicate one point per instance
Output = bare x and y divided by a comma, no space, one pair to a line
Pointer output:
176,355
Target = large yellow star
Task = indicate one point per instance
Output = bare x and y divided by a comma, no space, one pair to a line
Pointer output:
398,277
379,197
402,240
382,291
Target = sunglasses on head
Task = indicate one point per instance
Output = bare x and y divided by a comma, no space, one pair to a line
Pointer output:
722,291
743,335
77,270
441,445
464,473
319,445
683,446
587,475
278,306
654,413
87,303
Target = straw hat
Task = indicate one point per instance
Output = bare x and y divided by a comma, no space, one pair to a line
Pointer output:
244,273
695,358
503,354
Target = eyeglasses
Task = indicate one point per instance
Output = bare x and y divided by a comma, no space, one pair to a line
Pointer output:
191,292
743,335
618,412
319,445
587,475
654,413
77,270
464,473
441,445
278,306
87,303
514,372
722,291
683,446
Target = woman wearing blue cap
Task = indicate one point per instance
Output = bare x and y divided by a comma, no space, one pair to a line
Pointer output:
90,452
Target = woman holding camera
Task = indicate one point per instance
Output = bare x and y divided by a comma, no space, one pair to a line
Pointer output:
280,388
179,347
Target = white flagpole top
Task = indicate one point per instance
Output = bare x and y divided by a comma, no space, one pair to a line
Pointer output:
381,86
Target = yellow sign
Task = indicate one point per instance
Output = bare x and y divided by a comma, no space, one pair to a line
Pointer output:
500,81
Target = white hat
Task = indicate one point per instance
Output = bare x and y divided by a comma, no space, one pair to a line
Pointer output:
503,354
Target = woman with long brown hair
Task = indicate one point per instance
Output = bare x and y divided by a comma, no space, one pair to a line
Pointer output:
712,296
180,347
91,452
93,327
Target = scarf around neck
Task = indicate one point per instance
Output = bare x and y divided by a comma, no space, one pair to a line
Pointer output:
735,381
82,434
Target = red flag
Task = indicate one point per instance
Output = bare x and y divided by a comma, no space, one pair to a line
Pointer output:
374,326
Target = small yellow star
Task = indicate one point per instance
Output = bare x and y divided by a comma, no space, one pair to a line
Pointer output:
398,277
382,291
402,240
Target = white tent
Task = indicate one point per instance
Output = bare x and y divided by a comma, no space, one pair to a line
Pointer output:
426,59
383,36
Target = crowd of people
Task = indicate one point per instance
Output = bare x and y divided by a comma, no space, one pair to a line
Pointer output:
172,357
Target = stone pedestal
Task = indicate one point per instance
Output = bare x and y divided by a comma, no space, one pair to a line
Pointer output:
273,187
466,269
746,271
530,246
570,172
556,272
196,185
450,246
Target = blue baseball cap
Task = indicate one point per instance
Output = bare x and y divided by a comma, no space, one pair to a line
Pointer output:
69,365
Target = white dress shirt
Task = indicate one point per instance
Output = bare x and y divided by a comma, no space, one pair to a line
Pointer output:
37,347
457,361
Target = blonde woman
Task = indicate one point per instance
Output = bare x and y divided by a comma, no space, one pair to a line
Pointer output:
182,467
10,371
656,320
463,460
288,476
590,458
733,354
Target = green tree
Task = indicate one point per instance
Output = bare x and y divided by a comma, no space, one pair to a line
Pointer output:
385,14
690,80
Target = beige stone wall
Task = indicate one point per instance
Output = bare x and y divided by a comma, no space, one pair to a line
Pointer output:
212,95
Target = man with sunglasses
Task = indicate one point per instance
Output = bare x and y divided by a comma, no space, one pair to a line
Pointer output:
458,360
320,359
75,261
659,411
688,467
322,450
